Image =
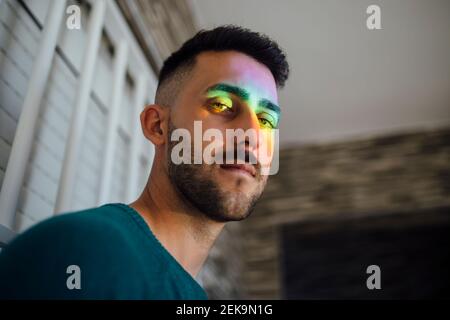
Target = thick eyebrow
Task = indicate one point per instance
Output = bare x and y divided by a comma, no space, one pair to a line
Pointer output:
241,93
264,103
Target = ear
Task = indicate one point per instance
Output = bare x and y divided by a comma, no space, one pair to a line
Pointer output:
154,123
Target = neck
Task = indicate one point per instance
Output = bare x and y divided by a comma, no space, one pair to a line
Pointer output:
185,233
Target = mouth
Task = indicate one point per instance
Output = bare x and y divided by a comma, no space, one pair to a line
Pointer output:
246,169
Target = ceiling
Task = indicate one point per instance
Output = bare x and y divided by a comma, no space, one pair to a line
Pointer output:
347,81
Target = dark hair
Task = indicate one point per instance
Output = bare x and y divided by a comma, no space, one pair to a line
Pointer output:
225,38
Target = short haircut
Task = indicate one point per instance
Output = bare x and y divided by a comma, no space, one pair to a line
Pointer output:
223,38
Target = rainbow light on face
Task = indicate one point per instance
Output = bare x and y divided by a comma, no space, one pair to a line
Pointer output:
265,111
221,102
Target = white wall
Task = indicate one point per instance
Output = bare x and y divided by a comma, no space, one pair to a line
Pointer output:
20,35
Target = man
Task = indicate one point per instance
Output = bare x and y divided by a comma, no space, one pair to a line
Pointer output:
153,248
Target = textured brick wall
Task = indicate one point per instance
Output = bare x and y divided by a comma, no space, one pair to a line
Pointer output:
400,173
329,259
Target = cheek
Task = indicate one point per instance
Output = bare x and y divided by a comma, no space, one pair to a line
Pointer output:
213,144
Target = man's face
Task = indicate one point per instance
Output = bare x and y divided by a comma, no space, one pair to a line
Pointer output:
224,90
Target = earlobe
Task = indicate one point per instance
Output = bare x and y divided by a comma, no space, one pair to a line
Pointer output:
152,123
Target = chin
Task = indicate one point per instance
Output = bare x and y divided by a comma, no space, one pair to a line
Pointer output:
237,206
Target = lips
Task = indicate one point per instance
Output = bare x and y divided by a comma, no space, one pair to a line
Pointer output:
247,168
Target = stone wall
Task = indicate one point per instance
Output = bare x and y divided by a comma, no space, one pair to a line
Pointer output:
329,259
400,173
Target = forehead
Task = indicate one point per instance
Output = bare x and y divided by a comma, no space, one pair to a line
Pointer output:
234,68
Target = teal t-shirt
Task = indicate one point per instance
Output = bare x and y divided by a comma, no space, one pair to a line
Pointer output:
113,254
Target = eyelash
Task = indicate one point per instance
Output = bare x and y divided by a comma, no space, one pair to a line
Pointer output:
272,126
215,103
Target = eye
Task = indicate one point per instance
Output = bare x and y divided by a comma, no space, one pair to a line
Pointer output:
267,121
221,105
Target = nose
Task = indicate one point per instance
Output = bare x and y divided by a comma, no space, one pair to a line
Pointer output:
249,123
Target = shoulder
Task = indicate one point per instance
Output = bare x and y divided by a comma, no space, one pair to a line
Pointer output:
103,223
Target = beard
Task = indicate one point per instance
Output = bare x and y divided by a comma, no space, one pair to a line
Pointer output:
197,185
